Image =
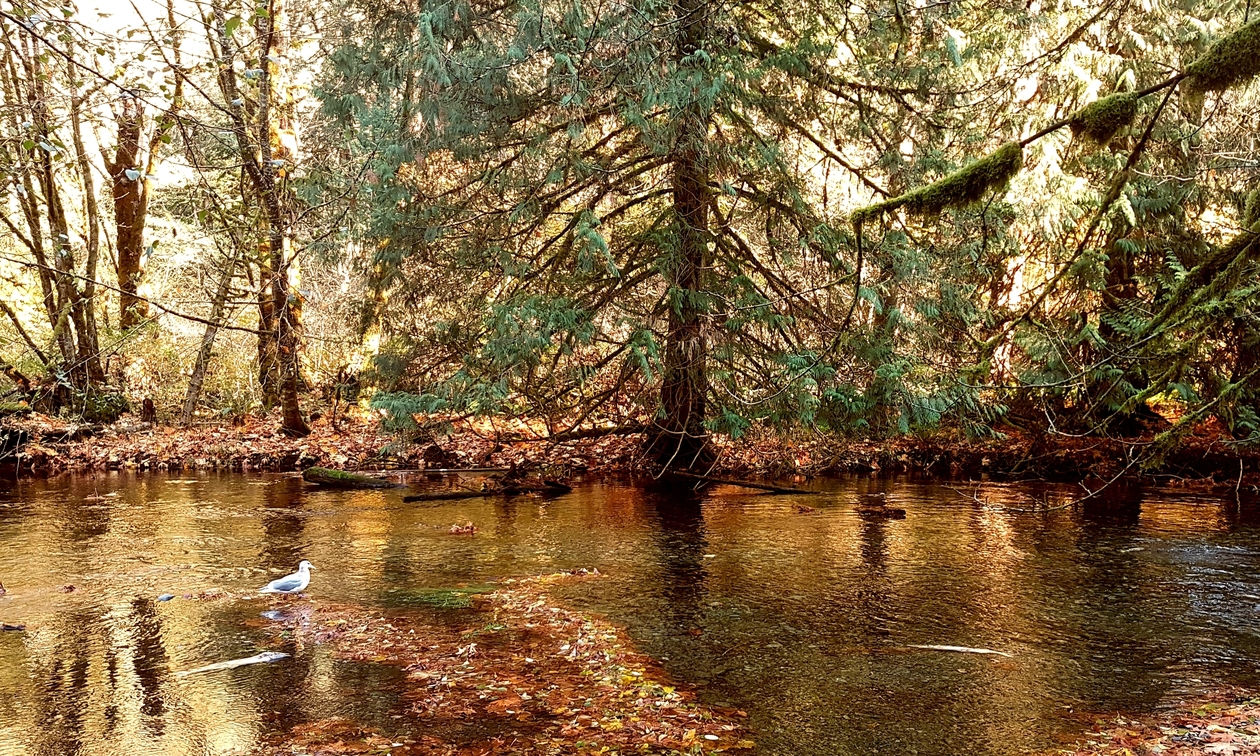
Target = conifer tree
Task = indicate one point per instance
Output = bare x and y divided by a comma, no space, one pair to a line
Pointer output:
608,191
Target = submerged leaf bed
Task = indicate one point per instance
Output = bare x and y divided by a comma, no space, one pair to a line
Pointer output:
522,676
1228,724
441,598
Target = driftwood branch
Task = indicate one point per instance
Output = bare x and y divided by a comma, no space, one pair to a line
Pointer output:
615,430
441,470
744,484
505,488
449,495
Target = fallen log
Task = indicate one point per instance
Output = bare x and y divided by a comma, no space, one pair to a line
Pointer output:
508,488
323,476
880,511
448,495
516,488
588,433
443,470
744,484
73,433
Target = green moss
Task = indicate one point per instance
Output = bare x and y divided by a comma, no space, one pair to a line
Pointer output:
341,479
1230,60
14,408
104,407
1100,120
441,598
1251,209
963,187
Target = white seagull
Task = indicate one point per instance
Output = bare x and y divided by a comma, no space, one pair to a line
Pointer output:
295,583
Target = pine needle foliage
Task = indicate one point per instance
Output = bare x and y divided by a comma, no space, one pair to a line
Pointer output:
574,202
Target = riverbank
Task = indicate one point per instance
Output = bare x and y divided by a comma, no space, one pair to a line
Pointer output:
520,675
50,446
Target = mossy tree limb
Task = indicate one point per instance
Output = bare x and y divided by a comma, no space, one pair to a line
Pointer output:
1213,275
963,187
1100,120
1118,184
1228,62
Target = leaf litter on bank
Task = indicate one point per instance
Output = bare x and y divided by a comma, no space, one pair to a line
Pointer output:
524,675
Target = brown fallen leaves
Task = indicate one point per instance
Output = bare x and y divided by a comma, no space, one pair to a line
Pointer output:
526,676
1226,725
357,443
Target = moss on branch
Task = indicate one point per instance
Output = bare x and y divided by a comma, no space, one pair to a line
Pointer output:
963,187
1100,120
1229,61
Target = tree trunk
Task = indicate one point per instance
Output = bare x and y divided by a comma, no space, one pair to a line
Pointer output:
91,211
26,93
681,439
198,377
273,167
130,208
268,351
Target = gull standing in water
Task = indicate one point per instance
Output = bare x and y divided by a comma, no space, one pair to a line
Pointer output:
295,583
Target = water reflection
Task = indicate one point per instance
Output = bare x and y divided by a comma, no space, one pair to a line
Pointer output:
283,525
805,620
679,540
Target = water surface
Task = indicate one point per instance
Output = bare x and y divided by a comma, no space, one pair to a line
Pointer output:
803,620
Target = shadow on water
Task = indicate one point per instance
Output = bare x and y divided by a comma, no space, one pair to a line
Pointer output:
807,617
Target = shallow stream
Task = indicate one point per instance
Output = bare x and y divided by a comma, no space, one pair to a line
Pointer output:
805,620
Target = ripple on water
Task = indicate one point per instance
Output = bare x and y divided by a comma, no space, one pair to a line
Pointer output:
805,619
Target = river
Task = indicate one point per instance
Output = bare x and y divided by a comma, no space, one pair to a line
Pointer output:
805,620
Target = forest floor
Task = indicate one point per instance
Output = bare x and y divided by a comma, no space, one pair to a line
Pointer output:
521,675
356,442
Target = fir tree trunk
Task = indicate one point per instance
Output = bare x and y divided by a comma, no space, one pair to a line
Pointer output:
681,439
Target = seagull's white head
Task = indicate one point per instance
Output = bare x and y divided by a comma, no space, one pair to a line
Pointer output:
305,565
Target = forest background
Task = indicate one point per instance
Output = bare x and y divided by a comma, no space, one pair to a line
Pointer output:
682,220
